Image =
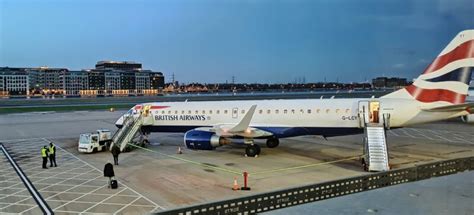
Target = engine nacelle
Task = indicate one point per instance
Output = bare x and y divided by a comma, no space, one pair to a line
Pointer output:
203,140
468,118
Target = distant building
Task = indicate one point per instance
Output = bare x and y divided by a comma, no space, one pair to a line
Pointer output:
13,82
109,78
118,65
127,80
96,81
384,82
157,80
75,82
112,83
142,82
44,80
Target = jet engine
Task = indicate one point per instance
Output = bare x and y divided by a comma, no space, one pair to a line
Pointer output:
468,118
203,140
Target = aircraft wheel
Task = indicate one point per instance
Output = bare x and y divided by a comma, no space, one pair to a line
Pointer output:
272,142
252,150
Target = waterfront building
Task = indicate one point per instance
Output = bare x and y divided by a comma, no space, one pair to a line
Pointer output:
47,81
13,82
109,78
112,83
75,82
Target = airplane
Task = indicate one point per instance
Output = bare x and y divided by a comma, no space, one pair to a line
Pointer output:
439,93
470,98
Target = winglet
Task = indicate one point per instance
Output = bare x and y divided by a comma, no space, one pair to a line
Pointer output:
245,122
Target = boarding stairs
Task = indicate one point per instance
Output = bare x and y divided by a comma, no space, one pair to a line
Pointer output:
375,149
131,129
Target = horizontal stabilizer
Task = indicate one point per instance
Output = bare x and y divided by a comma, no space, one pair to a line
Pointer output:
452,108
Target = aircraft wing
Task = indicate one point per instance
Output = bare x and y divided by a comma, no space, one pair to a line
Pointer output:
241,129
452,108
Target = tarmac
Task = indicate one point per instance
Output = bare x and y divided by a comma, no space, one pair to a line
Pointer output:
71,188
158,178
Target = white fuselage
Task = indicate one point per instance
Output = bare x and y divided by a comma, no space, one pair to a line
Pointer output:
313,115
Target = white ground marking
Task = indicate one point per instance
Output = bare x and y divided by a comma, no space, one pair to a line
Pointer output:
27,163
421,133
156,205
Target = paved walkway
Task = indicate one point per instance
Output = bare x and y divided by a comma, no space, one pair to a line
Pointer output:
74,187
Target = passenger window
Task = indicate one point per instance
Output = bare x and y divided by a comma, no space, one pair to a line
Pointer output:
309,111
269,111
301,111
243,111
260,111
317,111
197,112
337,110
218,112
285,111
175,112
182,112
189,112
210,111
162,112
276,111
327,110
348,110
169,112
225,111
203,112
292,110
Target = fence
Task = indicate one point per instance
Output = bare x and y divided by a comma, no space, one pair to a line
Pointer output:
310,193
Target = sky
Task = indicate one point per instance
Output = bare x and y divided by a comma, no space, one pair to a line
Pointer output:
256,41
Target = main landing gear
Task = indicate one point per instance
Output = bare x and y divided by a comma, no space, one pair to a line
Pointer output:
272,142
254,150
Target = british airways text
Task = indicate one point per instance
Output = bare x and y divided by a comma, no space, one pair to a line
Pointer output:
180,117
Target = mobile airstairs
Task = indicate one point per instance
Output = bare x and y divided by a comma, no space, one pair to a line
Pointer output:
375,148
375,156
132,132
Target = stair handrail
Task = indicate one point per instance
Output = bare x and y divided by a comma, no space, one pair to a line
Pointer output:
120,130
136,123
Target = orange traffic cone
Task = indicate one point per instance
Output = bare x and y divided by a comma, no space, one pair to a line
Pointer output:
236,186
179,150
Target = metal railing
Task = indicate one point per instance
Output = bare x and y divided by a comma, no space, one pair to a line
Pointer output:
310,193
123,132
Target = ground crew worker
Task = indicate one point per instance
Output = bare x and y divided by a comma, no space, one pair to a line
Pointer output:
44,155
52,154
115,153
109,172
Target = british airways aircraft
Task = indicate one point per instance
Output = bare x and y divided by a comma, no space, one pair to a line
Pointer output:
438,93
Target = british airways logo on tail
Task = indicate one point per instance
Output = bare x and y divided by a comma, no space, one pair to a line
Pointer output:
181,117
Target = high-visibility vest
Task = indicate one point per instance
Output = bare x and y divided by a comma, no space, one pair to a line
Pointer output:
52,150
44,153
